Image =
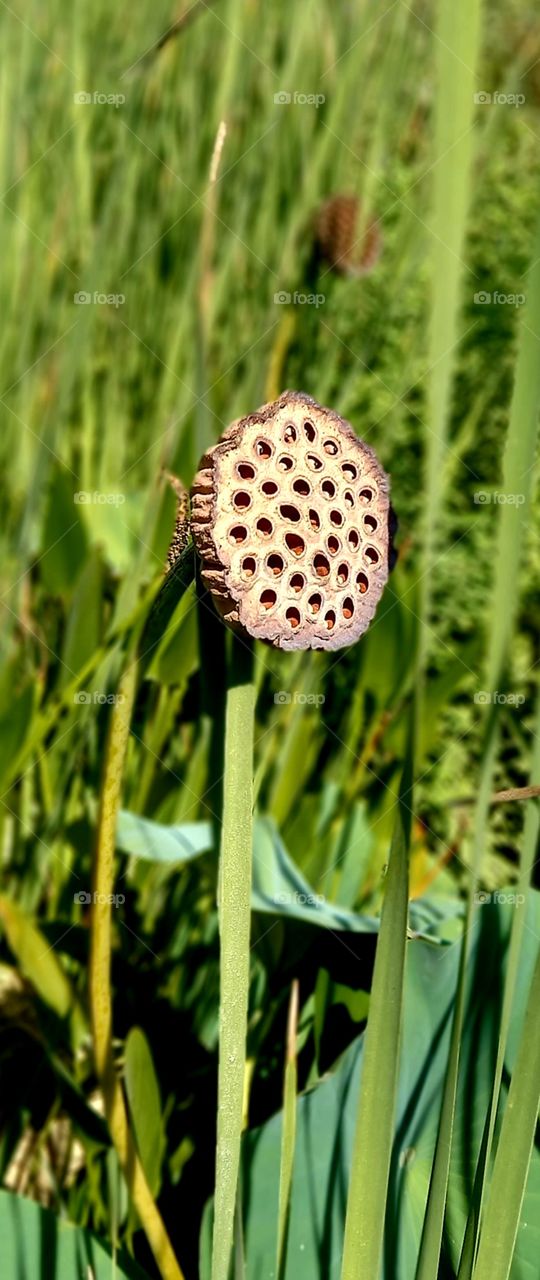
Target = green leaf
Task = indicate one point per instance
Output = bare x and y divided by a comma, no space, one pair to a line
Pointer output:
35,1242
278,888
142,1090
366,1204
503,1209
64,538
326,1119
84,622
39,963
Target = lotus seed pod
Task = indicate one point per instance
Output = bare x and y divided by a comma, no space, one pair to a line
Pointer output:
337,229
292,521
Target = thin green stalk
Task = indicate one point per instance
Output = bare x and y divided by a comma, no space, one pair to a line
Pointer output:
288,1139
100,975
366,1204
456,51
505,1198
530,841
432,1228
234,924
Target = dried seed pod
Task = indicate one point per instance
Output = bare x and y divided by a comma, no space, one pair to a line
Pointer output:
291,518
337,230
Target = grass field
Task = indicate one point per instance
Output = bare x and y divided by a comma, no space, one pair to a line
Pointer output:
160,278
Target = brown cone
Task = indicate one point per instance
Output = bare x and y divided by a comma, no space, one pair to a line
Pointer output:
337,230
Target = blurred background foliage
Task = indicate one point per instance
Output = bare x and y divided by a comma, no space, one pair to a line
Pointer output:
100,400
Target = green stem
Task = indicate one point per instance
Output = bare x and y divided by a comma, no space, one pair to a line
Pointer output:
143,642
234,923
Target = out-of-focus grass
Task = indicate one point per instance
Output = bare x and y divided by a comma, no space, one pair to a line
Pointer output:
98,397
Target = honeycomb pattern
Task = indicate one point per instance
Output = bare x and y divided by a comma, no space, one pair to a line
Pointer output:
291,516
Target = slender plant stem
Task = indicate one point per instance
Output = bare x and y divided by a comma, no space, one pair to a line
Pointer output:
234,924
99,980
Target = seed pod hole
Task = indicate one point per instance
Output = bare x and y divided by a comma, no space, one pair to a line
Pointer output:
263,448
276,564
242,500
288,512
321,565
238,534
288,507
295,543
246,471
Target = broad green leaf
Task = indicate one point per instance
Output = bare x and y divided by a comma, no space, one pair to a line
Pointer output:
35,1242
278,888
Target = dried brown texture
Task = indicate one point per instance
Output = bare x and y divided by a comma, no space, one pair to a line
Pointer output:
180,536
290,516
339,237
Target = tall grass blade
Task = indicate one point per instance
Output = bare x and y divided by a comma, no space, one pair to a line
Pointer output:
366,1205
456,49
530,842
288,1137
500,1225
